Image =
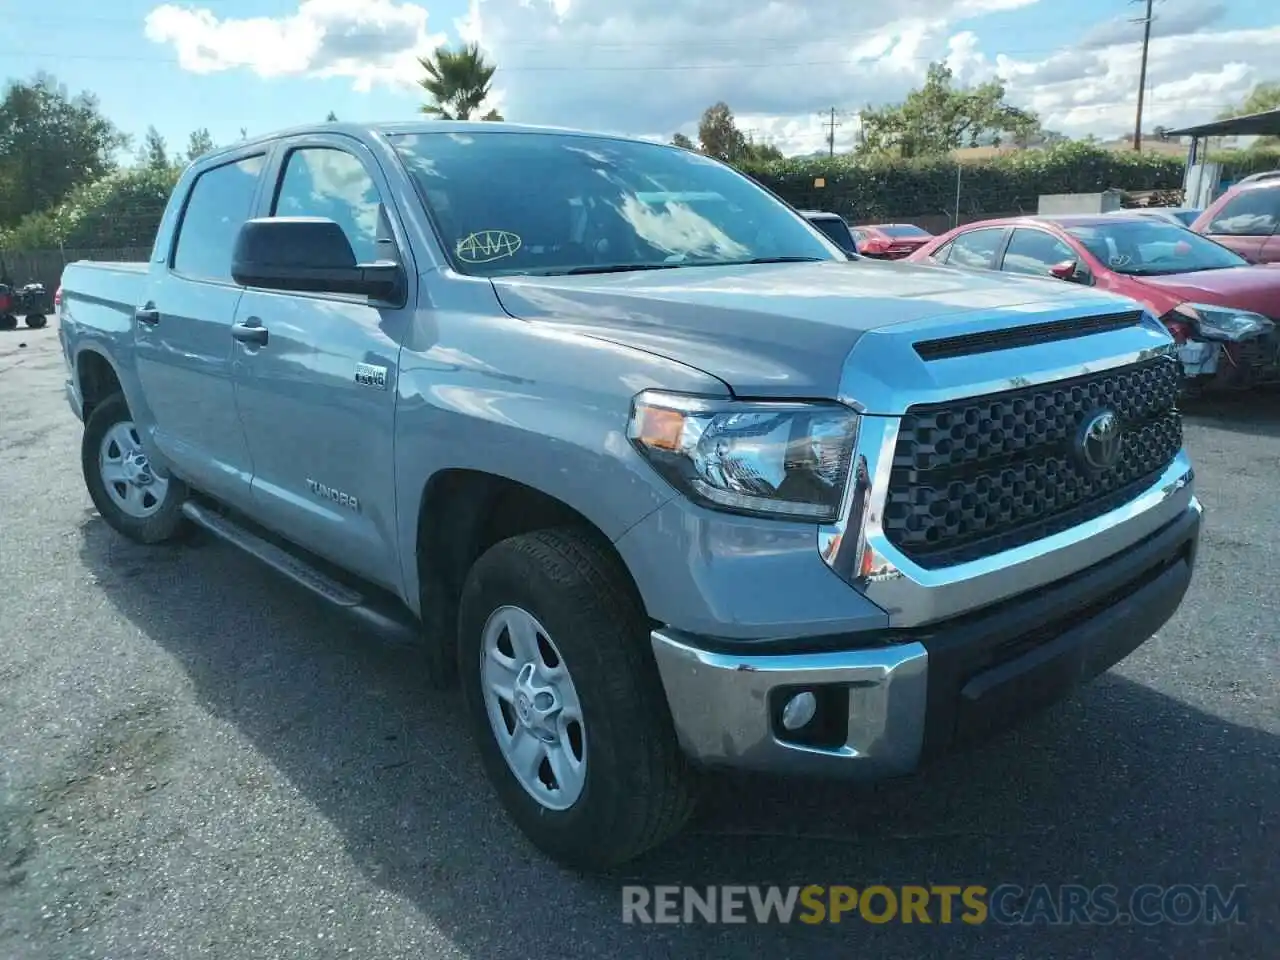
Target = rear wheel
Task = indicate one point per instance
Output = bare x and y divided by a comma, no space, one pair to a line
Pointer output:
131,496
565,703
36,320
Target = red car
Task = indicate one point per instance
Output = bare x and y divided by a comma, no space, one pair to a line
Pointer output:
890,241
1221,311
1247,218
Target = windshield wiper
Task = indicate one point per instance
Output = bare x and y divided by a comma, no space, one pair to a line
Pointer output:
618,268
781,260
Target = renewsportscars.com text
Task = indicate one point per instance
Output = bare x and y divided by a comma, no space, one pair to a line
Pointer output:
1006,904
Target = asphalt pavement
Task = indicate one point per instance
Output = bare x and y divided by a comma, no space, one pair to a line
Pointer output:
198,760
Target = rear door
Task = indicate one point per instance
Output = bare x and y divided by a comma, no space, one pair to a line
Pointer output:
183,333
317,399
978,249
1247,223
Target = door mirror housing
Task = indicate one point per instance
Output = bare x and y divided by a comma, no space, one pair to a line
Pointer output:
1071,271
308,255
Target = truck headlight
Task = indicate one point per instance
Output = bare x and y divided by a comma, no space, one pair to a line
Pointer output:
776,459
1223,323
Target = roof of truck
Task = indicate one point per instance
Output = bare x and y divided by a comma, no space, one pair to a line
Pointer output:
402,127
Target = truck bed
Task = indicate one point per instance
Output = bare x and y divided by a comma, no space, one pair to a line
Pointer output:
101,294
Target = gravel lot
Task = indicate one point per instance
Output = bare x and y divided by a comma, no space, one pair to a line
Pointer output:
196,760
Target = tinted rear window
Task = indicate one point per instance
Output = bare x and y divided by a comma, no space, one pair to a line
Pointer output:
837,230
220,201
903,230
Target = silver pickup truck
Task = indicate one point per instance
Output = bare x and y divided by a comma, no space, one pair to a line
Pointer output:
636,456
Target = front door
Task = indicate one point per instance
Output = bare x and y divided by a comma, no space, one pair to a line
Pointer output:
317,398
1247,222
182,336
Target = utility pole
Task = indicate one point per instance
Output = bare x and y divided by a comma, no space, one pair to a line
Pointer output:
831,125
1142,75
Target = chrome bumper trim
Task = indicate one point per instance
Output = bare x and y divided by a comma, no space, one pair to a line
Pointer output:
721,707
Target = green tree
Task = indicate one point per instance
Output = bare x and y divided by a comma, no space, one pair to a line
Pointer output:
718,134
50,143
1263,97
331,118
198,144
680,140
120,210
719,137
940,117
458,82
154,154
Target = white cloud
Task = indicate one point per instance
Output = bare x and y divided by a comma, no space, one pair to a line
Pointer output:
370,41
646,68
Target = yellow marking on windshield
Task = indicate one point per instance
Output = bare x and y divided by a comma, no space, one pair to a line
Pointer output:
486,245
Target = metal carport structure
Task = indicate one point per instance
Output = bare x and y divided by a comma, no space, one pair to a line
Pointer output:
1265,124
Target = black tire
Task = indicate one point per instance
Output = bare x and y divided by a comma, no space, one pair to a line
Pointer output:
167,523
639,789
36,320
8,321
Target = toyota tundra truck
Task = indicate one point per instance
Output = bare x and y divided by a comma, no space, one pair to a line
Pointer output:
636,456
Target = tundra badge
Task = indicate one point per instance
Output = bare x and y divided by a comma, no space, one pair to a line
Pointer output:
368,375
332,493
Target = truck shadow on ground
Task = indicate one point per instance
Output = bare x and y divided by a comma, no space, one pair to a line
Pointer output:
1121,785
1255,412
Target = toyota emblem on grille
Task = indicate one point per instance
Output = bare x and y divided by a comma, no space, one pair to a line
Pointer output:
1100,441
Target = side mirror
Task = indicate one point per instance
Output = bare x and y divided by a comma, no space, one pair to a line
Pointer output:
1070,271
308,255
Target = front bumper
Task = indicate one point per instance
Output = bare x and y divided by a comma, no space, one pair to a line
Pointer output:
891,699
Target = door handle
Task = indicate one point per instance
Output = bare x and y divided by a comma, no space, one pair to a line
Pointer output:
250,333
147,314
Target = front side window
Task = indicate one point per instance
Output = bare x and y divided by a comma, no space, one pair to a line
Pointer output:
220,201
330,183
1251,213
1146,247
545,203
1034,252
976,249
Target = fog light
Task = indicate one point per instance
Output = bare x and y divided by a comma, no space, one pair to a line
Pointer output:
799,710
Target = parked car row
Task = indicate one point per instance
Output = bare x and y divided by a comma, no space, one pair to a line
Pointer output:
882,241
1203,273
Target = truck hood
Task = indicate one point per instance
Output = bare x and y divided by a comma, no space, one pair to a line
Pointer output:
1245,288
771,329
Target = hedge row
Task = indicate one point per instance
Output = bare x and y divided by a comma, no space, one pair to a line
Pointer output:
878,189
124,209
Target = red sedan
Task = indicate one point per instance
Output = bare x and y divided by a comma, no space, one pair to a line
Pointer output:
1247,218
890,241
1221,310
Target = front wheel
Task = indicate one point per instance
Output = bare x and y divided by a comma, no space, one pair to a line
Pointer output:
565,703
130,495
36,320
8,321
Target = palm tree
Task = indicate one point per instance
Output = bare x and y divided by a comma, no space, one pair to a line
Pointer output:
458,82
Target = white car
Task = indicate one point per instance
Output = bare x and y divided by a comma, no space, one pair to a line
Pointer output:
1182,216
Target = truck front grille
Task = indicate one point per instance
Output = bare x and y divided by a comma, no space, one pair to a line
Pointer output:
977,476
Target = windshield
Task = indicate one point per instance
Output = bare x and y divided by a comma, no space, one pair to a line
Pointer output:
1150,247
544,203
837,230
903,230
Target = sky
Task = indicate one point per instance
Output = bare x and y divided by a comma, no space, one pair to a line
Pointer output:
640,67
